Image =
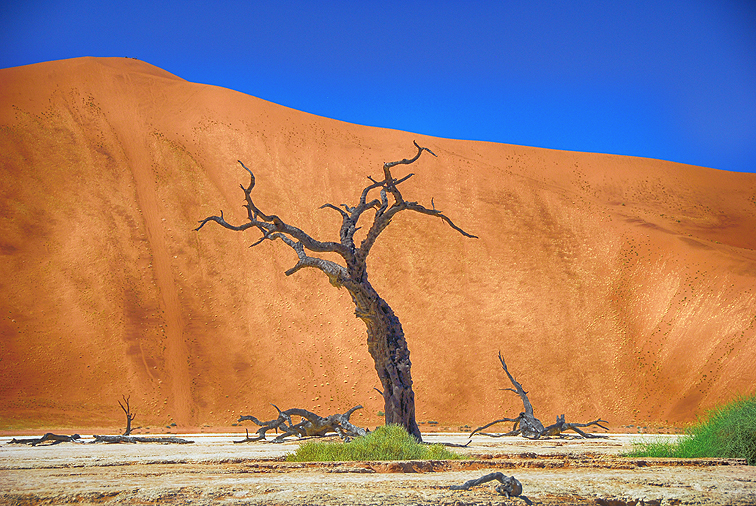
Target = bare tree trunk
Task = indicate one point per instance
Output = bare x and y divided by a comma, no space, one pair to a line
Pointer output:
388,347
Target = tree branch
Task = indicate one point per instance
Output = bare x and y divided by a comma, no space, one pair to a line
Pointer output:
273,227
222,222
311,424
509,485
336,273
271,224
52,439
331,206
520,391
385,213
561,426
405,161
514,429
530,426
414,206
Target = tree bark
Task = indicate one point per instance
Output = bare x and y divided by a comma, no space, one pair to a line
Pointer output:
388,348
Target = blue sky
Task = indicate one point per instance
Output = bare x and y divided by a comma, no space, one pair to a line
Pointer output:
660,79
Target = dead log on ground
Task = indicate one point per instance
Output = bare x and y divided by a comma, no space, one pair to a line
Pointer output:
561,426
310,425
48,439
451,445
527,425
508,485
140,439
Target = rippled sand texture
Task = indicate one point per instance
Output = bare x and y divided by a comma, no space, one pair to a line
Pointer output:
616,287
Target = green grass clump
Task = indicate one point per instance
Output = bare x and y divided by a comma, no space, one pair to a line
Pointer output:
726,432
390,442
652,448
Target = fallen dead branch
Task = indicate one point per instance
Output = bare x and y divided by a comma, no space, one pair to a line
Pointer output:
508,485
140,439
531,427
310,425
48,439
451,445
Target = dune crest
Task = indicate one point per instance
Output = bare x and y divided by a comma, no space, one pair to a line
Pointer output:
614,286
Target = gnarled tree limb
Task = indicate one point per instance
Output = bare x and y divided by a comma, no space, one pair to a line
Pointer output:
561,426
311,425
513,432
508,485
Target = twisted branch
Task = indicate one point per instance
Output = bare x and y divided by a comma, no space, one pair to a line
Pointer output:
272,227
311,425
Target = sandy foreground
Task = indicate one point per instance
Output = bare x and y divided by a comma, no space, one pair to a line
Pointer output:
215,470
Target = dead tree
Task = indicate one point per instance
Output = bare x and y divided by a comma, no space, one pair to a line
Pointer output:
310,425
129,415
386,342
531,427
128,438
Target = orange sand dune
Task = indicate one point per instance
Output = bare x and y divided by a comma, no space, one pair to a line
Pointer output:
615,286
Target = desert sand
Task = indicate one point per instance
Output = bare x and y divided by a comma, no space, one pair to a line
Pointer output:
615,287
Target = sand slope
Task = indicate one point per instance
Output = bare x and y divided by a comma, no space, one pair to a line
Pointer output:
615,286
